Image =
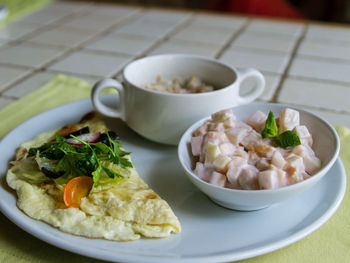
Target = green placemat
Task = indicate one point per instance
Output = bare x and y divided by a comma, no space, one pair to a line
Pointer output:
330,243
18,8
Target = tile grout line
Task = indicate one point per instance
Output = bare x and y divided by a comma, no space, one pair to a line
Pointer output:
23,39
23,78
171,33
233,38
9,97
134,15
160,41
100,34
290,61
51,25
314,79
69,51
322,109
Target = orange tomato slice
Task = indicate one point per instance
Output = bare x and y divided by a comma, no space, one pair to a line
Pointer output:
76,189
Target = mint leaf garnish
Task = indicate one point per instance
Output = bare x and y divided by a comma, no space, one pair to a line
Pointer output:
287,139
270,129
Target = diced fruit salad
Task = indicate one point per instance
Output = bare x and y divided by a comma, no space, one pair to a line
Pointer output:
262,153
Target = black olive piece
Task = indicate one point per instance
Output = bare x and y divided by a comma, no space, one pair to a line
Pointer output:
51,174
113,135
104,138
78,132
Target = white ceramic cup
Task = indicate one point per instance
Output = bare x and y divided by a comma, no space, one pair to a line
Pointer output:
163,117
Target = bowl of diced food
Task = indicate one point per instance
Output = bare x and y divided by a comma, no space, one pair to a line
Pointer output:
252,156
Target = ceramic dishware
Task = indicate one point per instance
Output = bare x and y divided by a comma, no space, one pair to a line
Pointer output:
326,146
163,117
283,224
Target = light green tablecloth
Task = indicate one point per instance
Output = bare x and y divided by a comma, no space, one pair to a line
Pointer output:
18,8
330,243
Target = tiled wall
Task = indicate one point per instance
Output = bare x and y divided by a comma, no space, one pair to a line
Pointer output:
304,64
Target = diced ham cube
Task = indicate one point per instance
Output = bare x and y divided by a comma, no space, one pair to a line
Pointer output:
257,120
294,176
242,124
229,185
288,120
201,130
304,135
311,162
282,175
236,135
212,152
248,178
262,164
196,145
203,172
284,152
216,126
238,161
232,176
252,138
278,160
301,150
229,123
241,153
222,115
305,176
296,162
213,137
227,148
221,163
253,157
263,150
282,178
217,179
268,179
234,170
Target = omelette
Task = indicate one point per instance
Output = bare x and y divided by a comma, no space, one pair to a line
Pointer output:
116,205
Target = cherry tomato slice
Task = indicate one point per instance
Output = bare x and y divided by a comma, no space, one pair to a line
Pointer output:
76,189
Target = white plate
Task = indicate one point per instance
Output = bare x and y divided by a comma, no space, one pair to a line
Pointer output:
210,233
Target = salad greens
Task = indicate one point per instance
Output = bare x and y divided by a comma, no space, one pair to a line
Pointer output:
284,140
86,159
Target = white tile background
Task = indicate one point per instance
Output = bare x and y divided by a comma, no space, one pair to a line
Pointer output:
92,41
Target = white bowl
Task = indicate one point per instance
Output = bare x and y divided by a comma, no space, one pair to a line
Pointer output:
325,144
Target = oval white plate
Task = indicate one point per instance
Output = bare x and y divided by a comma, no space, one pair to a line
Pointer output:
210,233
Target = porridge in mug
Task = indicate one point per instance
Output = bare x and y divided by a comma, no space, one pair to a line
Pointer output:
178,85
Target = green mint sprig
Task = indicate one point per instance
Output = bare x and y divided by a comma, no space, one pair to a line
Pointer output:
270,129
286,139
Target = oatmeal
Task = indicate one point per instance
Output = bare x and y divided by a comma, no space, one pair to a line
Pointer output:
178,85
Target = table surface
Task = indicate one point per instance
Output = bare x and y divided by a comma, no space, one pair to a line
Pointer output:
305,63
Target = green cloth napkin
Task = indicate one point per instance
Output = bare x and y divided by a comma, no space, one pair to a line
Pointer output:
330,243
18,8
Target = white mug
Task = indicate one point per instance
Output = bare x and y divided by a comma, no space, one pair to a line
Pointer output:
163,117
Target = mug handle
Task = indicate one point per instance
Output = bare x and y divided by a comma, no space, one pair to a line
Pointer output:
243,74
103,108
